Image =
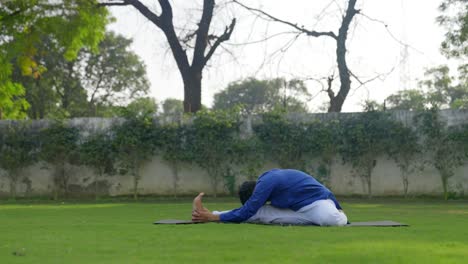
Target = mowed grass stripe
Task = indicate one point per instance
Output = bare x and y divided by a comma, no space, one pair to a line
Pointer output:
123,233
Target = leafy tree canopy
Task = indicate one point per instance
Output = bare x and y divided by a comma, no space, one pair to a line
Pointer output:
72,24
454,17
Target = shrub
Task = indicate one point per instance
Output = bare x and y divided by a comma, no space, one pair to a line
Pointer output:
59,148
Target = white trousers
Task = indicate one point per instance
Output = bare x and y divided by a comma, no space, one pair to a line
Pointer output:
321,212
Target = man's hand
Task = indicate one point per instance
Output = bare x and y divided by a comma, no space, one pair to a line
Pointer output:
204,215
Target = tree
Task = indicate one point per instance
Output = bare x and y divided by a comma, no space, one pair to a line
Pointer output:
284,140
71,23
454,17
17,151
438,90
441,144
363,139
173,109
322,139
260,96
114,75
97,152
12,101
59,148
442,91
133,141
144,107
88,86
249,154
211,141
406,151
336,100
175,149
413,100
205,43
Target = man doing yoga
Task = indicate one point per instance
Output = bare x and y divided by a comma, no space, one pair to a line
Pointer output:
295,198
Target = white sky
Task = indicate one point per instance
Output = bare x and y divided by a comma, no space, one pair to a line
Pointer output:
371,49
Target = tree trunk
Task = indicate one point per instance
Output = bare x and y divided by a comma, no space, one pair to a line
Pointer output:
191,73
336,102
192,90
13,183
175,173
64,181
214,181
96,190
405,184
369,187
136,179
444,186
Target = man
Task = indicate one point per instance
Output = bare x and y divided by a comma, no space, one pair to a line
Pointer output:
295,198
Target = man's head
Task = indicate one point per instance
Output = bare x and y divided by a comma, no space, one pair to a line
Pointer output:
245,190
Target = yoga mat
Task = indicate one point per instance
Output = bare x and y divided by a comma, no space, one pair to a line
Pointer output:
385,223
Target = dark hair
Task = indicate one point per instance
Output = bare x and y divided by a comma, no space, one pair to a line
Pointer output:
245,190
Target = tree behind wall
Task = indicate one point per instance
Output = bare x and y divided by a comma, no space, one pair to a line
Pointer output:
259,96
203,42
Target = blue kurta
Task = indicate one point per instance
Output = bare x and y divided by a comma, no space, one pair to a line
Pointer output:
291,189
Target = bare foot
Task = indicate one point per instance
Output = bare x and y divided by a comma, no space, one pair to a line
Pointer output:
197,202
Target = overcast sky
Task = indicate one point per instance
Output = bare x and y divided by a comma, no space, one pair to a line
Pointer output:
373,49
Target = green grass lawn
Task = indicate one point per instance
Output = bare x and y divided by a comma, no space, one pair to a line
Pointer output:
124,233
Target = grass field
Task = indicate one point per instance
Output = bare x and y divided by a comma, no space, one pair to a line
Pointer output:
111,232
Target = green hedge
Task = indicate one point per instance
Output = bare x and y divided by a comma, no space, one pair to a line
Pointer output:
213,140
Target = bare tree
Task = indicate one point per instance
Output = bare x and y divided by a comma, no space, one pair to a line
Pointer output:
204,48
336,99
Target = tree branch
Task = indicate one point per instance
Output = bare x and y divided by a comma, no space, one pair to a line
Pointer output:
145,12
224,37
311,33
120,3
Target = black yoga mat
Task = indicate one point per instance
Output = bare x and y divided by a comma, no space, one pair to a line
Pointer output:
385,223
